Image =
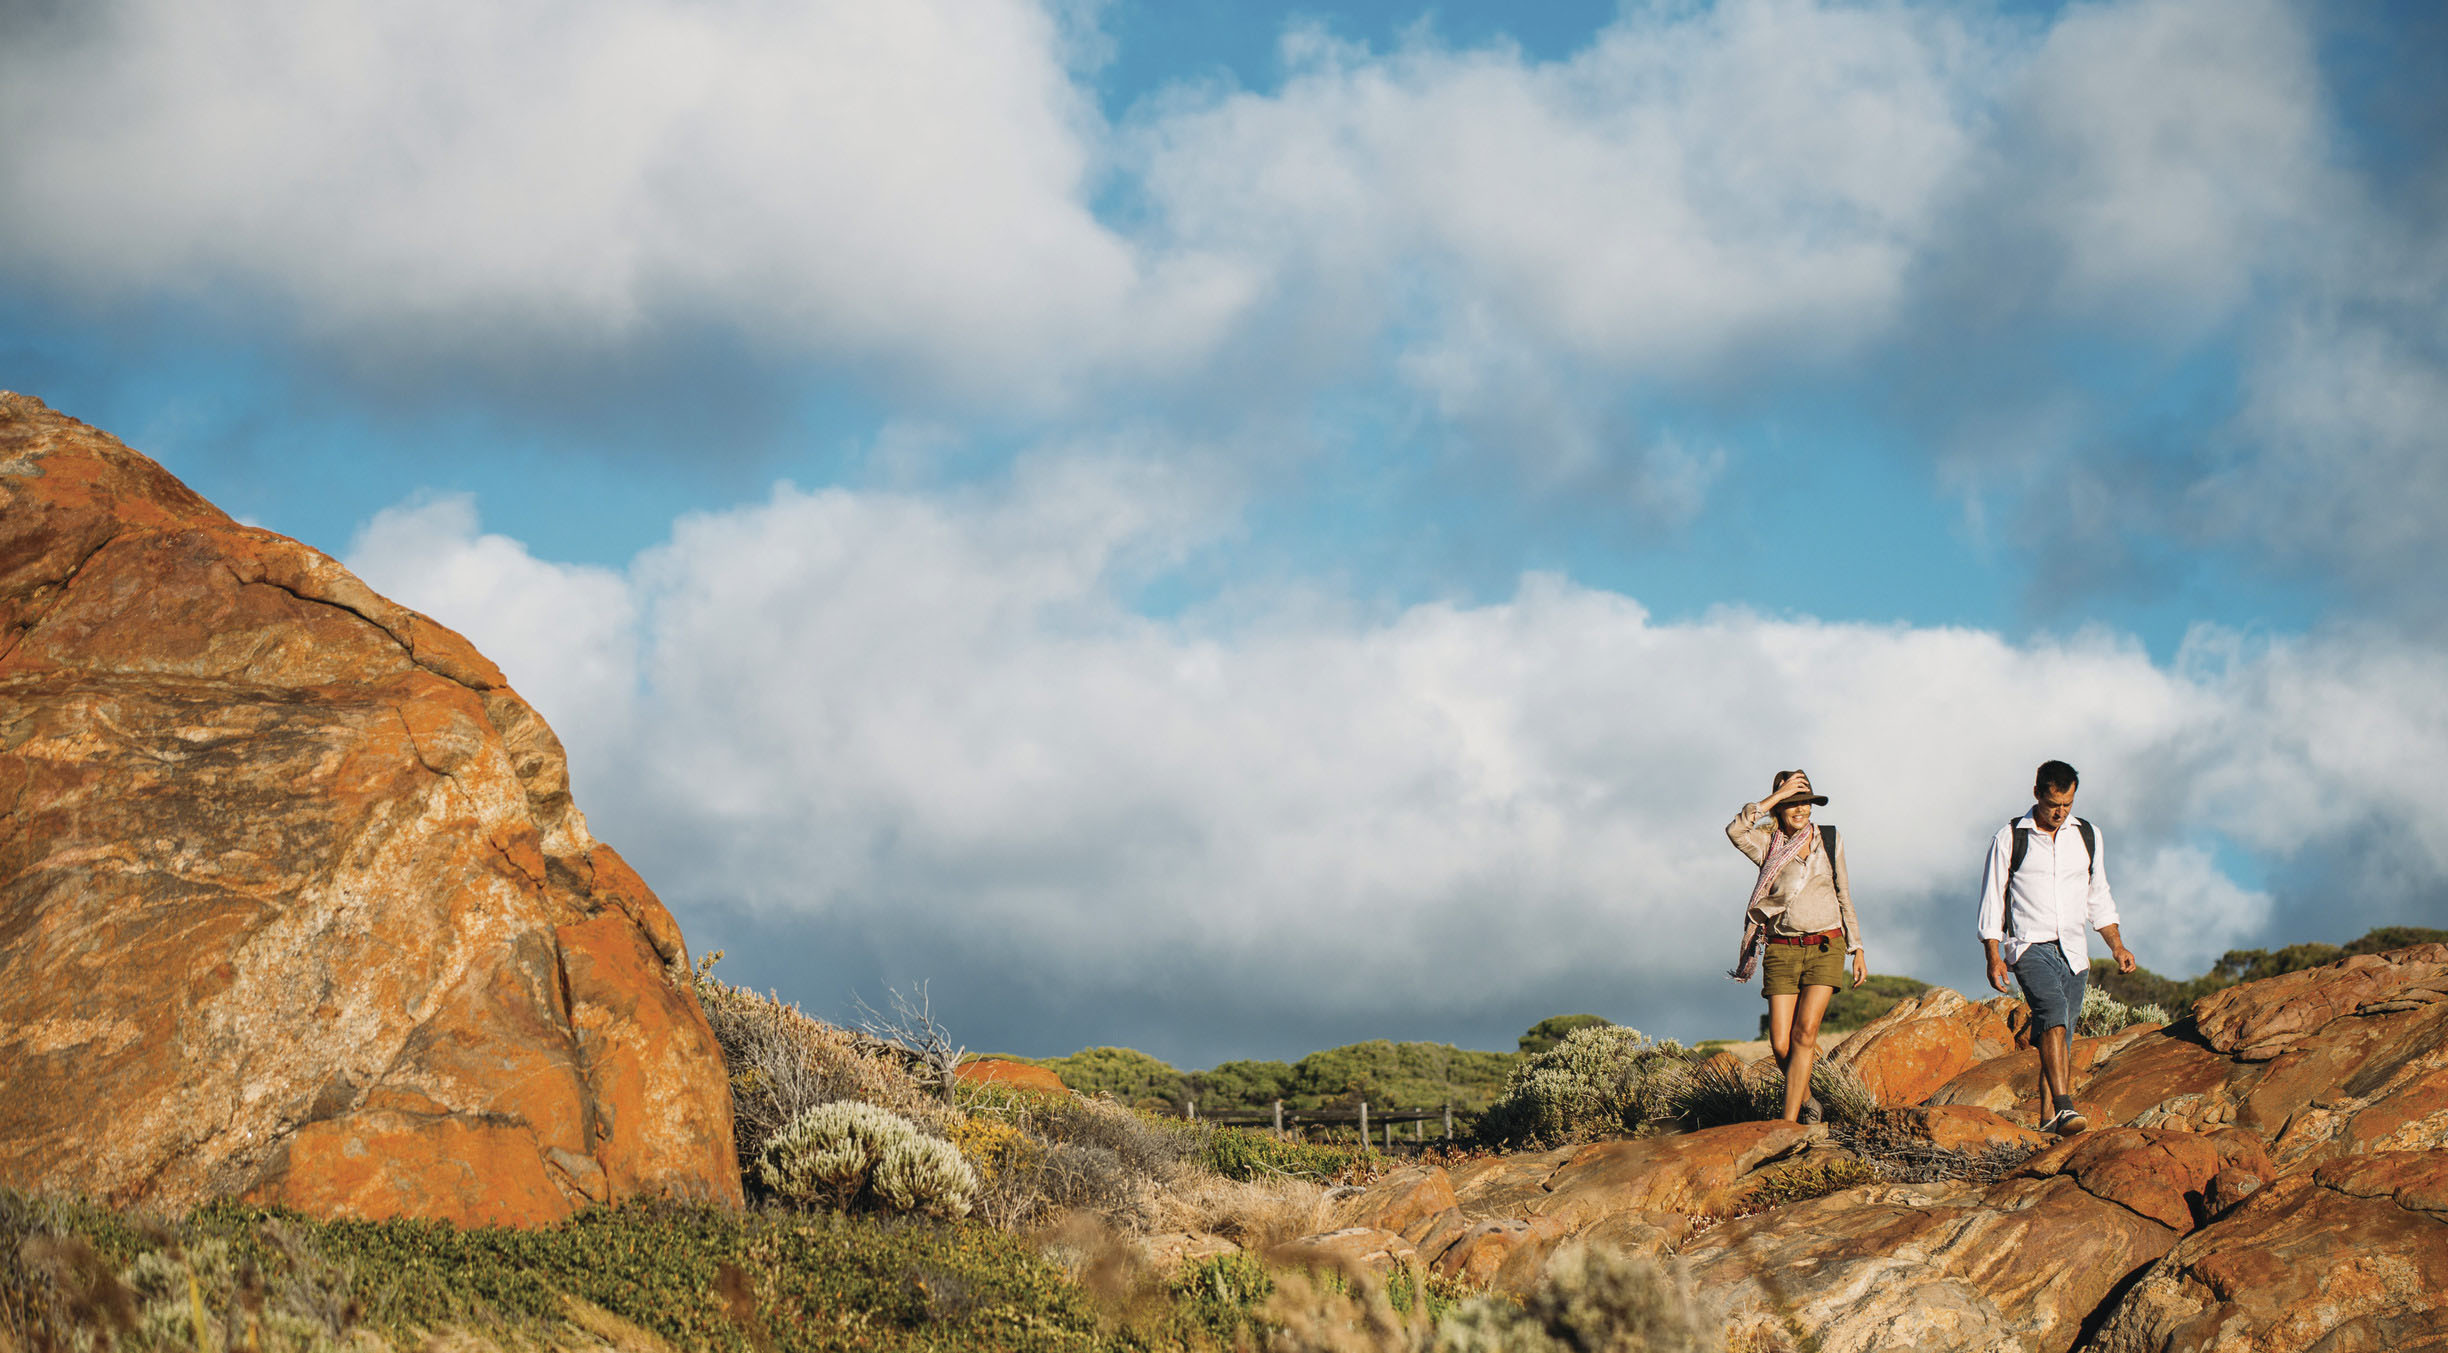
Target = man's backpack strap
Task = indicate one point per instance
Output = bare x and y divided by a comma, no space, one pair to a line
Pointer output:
2022,843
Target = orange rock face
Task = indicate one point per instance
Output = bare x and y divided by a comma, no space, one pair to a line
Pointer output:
1906,1054
294,903
1002,1071
2351,1255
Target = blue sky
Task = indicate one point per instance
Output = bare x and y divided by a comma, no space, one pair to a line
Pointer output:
1175,523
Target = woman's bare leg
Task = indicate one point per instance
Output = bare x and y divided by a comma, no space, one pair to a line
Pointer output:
1780,1027
1812,1008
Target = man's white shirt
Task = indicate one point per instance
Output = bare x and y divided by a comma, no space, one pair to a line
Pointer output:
2058,893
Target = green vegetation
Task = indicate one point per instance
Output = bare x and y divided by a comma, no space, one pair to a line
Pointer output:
1128,1075
849,1155
1601,1080
2144,987
699,1278
2103,1014
1388,1075
1246,1154
1550,1031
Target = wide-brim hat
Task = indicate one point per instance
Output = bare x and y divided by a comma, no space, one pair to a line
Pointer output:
1780,781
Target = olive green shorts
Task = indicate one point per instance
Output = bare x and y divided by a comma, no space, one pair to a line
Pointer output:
1790,967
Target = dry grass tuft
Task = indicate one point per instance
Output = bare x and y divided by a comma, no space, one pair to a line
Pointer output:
1257,1214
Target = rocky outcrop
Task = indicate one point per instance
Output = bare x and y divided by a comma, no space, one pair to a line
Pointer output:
2270,1175
2020,1264
294,902
2350,1255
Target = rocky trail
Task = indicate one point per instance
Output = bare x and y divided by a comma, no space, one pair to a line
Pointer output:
2270,1174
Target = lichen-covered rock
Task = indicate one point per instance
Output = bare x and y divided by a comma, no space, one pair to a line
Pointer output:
294,902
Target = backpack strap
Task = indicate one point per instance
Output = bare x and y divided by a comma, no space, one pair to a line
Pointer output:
2022,845
2090,849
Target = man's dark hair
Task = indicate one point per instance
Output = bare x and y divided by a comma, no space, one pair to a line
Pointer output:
2054,777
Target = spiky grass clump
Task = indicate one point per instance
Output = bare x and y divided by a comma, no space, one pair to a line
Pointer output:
1897,1143
848,1154
1721,1090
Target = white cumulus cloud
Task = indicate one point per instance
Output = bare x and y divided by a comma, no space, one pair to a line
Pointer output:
936,725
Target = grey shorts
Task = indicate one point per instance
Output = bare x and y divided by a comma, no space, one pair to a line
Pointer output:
2050,986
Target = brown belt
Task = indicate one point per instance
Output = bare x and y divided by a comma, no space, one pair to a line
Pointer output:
1821,939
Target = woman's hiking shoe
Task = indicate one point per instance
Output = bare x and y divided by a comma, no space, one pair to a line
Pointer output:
1811,1112
2065,1123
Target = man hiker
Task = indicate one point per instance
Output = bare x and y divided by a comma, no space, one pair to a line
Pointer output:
2043,887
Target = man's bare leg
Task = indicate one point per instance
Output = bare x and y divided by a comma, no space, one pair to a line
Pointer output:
2056,1070
1805,1052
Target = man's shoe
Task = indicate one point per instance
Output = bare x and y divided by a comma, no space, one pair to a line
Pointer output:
1811,1112
2065,1123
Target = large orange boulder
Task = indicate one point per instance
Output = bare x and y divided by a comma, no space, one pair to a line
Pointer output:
1922,1043
294,902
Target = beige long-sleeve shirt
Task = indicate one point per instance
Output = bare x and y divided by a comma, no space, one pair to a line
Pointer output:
1809,896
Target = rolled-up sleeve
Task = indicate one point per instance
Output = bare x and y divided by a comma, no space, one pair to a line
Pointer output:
1749,833
1992,911
2100,911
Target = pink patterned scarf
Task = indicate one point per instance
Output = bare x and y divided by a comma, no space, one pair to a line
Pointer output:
1782,851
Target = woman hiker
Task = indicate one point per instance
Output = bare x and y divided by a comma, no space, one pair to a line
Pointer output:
1800,907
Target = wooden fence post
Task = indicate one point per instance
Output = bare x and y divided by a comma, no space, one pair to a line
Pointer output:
1364,1125
1449,1120
1279,1115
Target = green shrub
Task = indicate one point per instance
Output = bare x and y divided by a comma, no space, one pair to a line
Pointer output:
847,1154
1251,1153
1593,1299
783,1062
1078,1153
1600,1080
1127,1074
2103,1014
1544,1035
